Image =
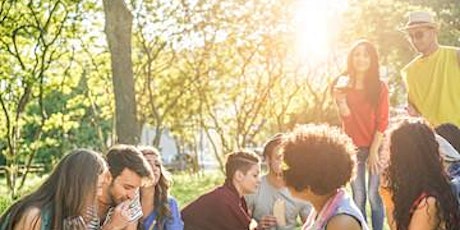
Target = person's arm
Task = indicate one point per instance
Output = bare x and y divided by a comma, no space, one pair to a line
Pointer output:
305,211
266,222
382,115
425,216
374,158
30,220
341,103
343,222
175,223
410,107
411,110
458,56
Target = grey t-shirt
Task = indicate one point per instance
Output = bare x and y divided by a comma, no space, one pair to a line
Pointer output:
261,203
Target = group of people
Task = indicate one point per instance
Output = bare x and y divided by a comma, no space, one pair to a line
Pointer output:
128,189
416,186
308,170
432,79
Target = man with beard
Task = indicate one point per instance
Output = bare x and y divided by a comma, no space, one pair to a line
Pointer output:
118,205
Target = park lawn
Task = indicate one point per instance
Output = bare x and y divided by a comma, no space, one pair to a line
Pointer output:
187,188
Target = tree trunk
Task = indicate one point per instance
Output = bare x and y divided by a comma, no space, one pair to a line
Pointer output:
118,26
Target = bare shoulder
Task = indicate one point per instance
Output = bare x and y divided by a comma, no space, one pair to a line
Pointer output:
425,216
343,222
428,203
30,219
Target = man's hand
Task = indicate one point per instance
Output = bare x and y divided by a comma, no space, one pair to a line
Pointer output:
119,218
266,222
411,111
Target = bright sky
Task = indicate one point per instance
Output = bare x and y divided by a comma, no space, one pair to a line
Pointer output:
317,23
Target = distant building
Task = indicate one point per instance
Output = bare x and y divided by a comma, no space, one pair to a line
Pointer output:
168,146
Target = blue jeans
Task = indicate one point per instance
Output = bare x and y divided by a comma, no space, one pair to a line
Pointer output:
358,186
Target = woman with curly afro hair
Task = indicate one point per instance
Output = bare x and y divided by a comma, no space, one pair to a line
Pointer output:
319,163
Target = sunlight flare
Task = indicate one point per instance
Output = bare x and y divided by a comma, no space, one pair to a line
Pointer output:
317,24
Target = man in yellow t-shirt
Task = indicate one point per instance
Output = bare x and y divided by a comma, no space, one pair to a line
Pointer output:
433,77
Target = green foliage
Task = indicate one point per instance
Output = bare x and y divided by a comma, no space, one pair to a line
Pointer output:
45,108
5,202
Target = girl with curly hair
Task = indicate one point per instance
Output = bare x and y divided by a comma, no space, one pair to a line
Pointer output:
419,186
319,163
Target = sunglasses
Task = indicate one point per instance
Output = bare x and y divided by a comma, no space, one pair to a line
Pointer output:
417,35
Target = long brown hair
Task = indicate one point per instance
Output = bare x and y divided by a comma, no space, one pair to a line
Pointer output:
67,192
372,83
160,199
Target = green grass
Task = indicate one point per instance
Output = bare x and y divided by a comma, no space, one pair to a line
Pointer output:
187,188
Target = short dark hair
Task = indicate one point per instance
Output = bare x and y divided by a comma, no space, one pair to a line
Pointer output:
123,156
241,160
271,144
451,133
318,157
